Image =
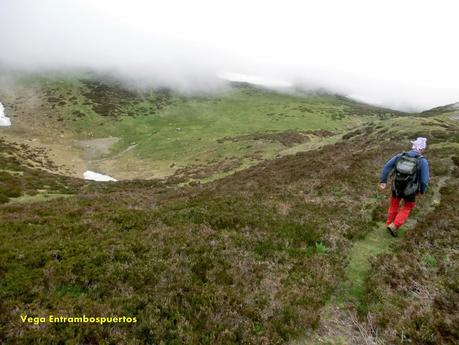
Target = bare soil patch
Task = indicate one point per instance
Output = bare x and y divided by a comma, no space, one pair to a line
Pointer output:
95,149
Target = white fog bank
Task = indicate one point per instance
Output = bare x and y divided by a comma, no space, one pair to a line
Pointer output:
400,54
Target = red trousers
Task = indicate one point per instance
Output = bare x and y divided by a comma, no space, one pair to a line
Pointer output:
395,214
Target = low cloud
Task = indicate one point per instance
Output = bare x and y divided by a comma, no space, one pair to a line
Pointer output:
397,54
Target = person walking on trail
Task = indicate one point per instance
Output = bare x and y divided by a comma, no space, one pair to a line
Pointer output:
410,178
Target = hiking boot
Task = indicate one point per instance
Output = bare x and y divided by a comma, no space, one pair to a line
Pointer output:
392,229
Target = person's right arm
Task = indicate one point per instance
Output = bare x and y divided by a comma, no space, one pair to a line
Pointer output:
424,178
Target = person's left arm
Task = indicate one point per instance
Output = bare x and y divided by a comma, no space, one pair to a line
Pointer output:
390,164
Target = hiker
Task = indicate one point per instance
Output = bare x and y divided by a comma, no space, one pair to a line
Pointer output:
411,177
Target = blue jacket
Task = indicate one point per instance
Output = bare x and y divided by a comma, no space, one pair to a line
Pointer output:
423,170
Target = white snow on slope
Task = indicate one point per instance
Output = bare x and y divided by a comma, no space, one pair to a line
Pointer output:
4,121
91,175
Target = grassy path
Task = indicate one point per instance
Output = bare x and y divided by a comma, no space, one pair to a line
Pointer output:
377,242
339,325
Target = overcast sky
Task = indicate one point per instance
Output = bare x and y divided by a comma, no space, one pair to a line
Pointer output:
399,53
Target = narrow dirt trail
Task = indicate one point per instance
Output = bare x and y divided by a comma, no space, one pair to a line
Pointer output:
339,322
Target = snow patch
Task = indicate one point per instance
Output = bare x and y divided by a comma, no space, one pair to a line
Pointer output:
4,121
91,175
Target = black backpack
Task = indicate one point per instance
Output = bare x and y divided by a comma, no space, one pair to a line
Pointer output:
406,179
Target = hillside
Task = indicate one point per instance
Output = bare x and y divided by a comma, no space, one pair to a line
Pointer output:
269,253
148,133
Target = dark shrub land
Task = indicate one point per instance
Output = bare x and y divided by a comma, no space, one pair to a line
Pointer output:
252,258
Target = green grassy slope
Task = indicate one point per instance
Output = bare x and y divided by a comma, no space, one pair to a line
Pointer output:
162,133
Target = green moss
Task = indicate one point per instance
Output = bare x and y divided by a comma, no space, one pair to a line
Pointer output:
430,261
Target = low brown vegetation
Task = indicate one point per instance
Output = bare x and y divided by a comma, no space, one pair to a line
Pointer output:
250,258
413,293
